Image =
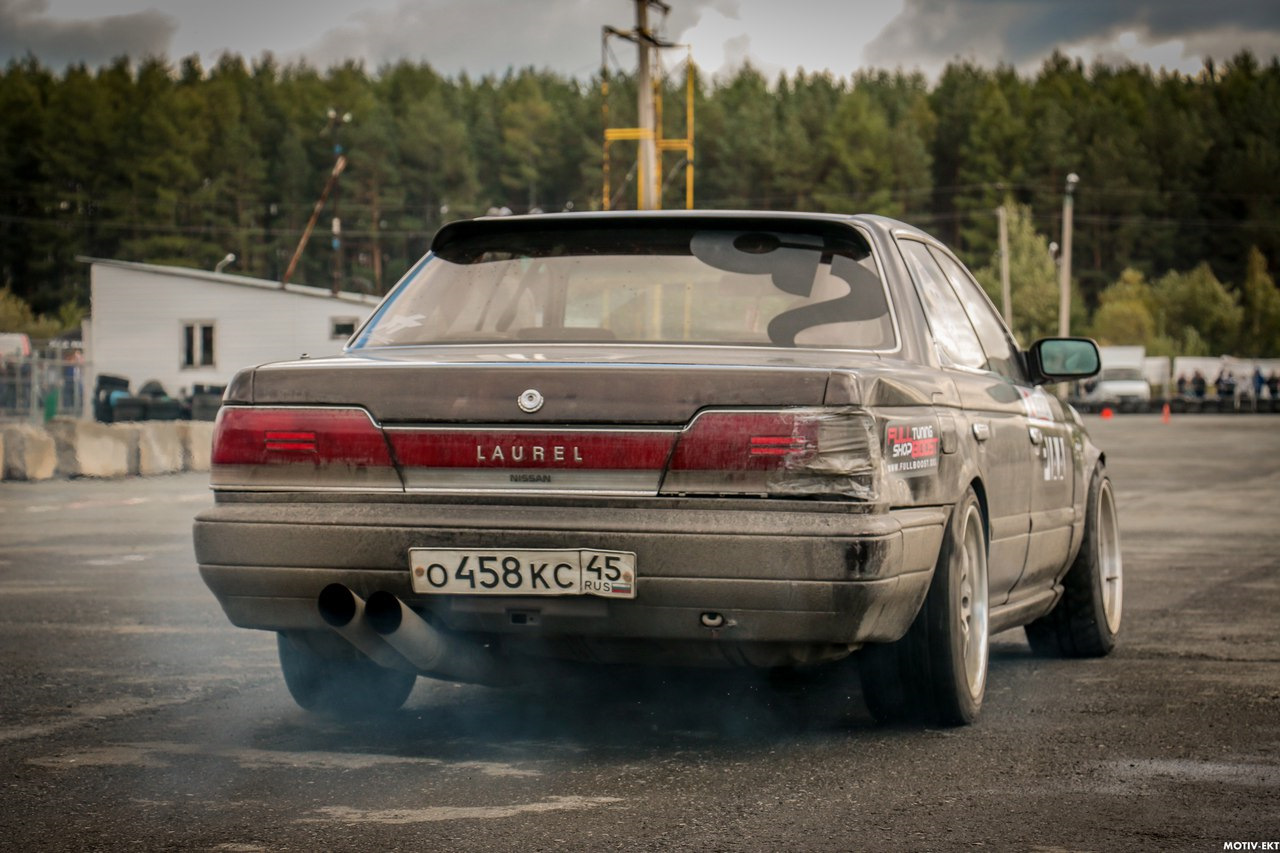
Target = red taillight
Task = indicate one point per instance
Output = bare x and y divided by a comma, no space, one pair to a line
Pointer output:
599,461
581,450
776,445
781,452
270,436
298,442
284,447
737,441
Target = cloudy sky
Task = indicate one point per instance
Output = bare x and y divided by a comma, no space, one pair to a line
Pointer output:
483,36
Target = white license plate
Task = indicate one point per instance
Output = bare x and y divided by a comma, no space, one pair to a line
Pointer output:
466,571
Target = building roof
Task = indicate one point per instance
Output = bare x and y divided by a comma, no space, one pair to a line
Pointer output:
237,281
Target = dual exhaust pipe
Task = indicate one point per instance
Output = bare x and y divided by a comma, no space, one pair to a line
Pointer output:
392,635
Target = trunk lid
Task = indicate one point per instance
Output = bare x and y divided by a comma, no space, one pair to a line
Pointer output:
644,423
586,386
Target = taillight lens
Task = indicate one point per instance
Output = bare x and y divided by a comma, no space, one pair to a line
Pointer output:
612,450
778,452
599,461
745,441
279,447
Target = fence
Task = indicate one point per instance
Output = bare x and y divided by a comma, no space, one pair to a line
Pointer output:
39,388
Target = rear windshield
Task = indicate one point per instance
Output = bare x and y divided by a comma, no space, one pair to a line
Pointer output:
1117,374
646,284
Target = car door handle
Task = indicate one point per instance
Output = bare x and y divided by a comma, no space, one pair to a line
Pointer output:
1037,437
981,431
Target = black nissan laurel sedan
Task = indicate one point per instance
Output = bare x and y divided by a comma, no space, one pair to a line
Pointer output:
690,439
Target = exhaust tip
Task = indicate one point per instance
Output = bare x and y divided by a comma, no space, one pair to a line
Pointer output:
383,612
337,605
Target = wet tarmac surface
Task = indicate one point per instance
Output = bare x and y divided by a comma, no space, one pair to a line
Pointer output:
133,716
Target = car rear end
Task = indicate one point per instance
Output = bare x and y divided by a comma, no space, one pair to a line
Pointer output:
634,439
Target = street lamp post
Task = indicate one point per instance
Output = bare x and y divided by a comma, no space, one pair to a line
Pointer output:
1006,295
336,121
1064,269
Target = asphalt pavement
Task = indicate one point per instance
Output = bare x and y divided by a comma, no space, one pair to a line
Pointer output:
133,716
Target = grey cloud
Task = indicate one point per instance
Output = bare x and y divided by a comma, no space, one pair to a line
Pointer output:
1225,42
1018,31
477,35
685,15
737,53
25,27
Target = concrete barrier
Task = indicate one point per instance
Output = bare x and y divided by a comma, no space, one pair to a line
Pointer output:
197,444
91,449
128,432
68,447
160,449
29,453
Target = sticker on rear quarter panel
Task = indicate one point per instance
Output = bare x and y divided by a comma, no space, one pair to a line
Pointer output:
911,447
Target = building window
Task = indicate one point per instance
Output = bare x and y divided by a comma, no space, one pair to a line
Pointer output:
341,328
197,345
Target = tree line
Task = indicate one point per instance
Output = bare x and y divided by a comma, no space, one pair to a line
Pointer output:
1177,204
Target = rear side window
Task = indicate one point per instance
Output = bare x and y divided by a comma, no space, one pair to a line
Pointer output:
957,341
1002,356
773,285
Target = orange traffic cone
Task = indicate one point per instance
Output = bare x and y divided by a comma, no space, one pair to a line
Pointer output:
1164,414
1107,413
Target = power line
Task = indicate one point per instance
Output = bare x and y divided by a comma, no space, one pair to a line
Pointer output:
857,203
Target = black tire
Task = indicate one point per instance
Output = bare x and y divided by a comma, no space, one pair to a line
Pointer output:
1086,620
937,673
339,682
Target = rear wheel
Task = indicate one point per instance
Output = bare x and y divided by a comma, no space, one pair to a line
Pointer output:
339,682
1086,620
938,671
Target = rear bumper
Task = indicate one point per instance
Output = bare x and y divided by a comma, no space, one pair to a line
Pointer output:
776,571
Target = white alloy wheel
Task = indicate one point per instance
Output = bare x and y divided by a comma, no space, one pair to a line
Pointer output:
1086,620
972,601
1110,566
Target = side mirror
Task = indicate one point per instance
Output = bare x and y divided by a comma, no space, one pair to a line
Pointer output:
1063,360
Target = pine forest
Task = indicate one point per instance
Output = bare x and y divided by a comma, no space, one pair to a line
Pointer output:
1177,211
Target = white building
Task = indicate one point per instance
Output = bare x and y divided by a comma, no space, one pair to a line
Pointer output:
187,327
